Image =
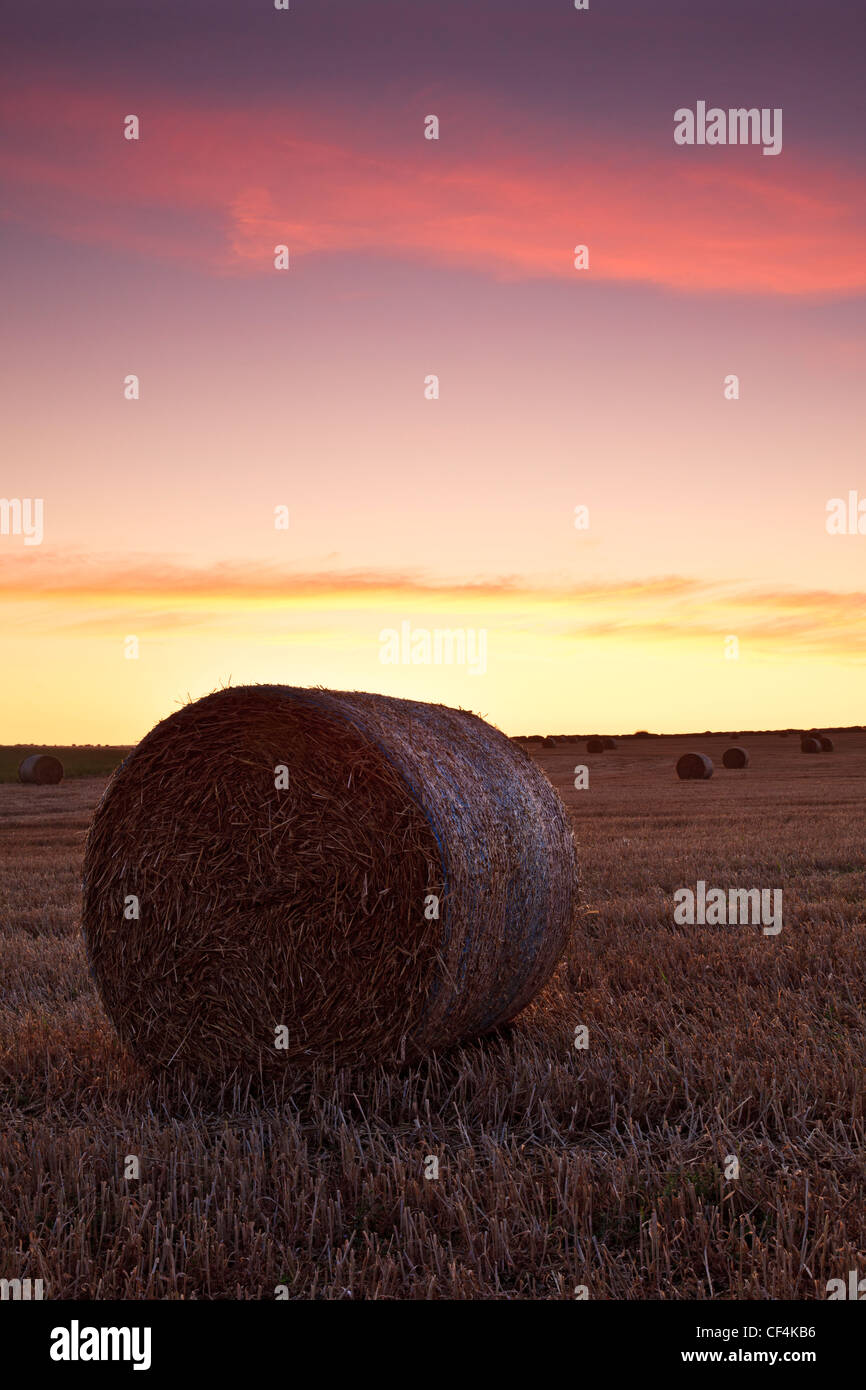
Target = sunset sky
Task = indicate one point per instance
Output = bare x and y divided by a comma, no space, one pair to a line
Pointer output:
409,257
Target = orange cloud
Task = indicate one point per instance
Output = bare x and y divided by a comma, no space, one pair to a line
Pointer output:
66,594
220,188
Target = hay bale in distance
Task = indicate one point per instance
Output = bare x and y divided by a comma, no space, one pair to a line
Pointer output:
594,744
609,744
825,744
41,769
313,906
809,745
694,767
548,741
735,757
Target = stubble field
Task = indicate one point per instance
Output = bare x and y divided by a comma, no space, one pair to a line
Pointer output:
601,1168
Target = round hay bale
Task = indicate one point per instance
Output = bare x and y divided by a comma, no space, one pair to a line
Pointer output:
42,769
548,741
810,745
595,744
609,743
826,744
735,757
378,876
694,767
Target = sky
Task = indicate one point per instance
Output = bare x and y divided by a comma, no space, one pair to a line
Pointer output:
702,589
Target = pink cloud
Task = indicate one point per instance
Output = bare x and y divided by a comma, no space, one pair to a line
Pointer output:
220,188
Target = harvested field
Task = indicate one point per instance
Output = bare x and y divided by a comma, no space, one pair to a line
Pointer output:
557,1167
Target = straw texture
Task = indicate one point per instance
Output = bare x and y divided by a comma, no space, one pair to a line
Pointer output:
736,757
43,769
694,767
313,906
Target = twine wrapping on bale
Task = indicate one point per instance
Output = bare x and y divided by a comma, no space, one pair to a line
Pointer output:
43,769
735,757
694,767
810,745
414,883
